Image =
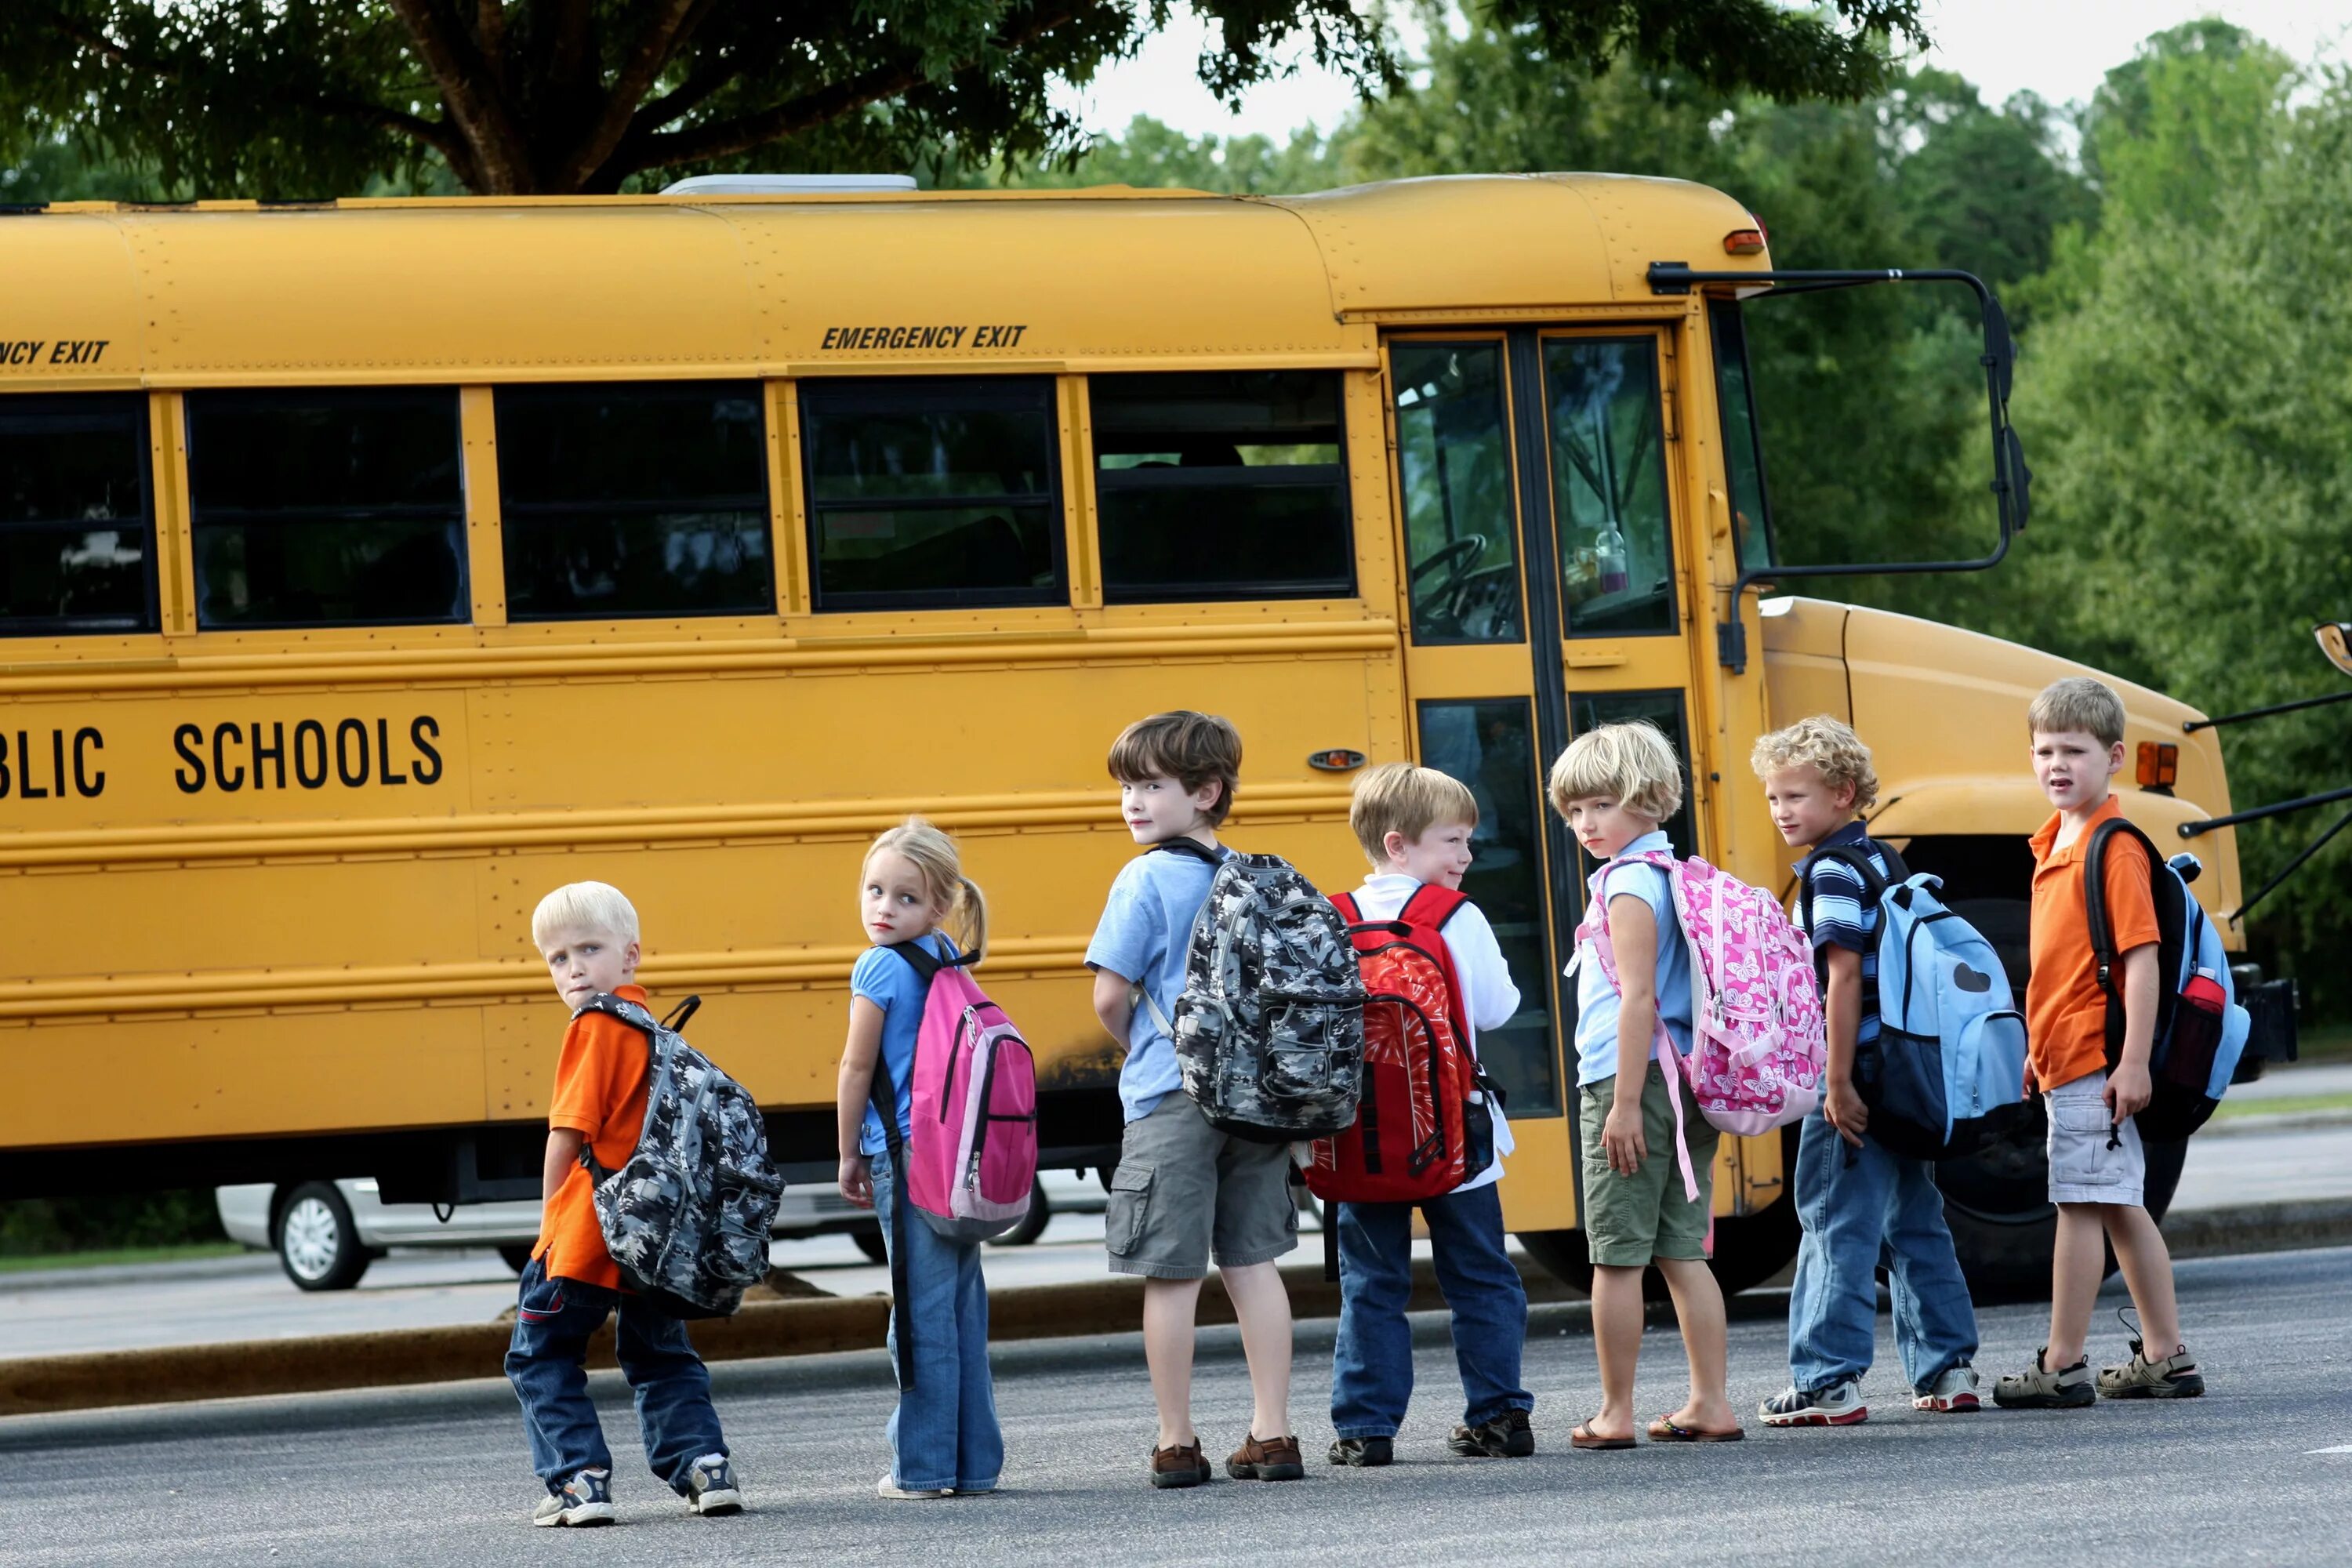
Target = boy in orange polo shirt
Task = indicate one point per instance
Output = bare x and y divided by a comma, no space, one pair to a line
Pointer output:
2097,1169
588,933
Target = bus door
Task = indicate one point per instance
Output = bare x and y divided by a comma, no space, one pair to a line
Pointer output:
1535,493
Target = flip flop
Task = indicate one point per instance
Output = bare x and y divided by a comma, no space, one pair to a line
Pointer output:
1583,1436
1663,1430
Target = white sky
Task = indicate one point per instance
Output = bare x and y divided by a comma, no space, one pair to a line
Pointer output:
2059,48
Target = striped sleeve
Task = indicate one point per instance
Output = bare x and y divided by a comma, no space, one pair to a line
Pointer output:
1839,919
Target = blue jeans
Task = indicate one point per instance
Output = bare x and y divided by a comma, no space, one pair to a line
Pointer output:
547,1363
944,1433
1862,1207
1371,1365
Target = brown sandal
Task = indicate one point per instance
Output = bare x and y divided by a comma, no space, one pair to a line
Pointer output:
1665,1430
1583,1436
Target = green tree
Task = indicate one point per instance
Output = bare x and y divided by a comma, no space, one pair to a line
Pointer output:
318,97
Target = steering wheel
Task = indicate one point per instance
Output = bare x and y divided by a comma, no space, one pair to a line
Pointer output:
1452,558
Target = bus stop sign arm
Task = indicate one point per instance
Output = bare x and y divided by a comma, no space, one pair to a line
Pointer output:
2012,480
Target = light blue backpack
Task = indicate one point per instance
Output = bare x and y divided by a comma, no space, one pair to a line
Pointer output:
1949,1058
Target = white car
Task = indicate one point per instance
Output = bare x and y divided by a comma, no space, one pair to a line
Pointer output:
326,1233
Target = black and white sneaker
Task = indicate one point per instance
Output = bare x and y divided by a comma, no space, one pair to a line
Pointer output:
1839,1404
1508,1437
586,1498
711,1486
1363,1453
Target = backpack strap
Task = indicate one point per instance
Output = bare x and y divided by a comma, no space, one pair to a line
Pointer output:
883,1097
1189,847
637,1018
1595,928
1856,859
1349,910
1431,906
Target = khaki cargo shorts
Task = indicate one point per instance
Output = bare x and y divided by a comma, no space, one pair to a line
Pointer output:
1186,1193
2083,1169
1629,1220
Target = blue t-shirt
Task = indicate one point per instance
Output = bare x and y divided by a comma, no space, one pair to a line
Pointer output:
1146,927
890,982
1596,999
1842,918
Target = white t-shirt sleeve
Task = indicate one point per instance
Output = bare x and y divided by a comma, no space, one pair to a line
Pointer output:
1492,999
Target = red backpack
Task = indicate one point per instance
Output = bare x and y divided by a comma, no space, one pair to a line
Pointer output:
1418,1134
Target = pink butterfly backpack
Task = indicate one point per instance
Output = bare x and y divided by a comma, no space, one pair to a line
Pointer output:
1758,1040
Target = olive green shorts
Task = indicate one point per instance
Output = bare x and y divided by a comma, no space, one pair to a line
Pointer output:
1629,1220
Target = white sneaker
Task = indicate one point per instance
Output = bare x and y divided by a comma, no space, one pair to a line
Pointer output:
887,1488
1839,1404
1955,1392
711,1490
586,1498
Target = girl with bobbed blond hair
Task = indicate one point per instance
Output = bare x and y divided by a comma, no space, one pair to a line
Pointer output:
944,1437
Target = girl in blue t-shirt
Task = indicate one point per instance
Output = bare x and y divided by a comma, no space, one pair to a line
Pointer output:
943,1437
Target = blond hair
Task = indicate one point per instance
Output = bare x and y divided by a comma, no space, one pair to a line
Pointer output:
2080,703
1193,749
597,907
1397,797
1828,746
933,855
1630,764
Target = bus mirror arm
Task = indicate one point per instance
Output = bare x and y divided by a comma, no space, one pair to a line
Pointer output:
2011,480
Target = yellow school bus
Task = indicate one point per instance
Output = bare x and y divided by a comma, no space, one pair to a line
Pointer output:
374,566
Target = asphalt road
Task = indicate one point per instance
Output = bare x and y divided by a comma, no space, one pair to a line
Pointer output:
439,1475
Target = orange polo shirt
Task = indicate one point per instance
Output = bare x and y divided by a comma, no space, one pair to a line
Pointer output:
599,1093
2065,1010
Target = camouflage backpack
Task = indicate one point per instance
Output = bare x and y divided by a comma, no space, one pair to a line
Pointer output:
1270,1030
687,1217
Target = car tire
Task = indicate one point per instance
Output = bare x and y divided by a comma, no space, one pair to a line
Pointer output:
869,1242
317,1244
1032,1224
518,1256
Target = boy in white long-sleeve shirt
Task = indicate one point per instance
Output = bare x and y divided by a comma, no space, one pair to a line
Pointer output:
1415,825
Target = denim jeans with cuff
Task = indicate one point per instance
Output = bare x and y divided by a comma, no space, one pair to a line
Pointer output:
1861,1208
1371,1365
547,1363
943,1435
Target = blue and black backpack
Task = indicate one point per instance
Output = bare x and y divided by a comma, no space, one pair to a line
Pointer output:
1948,1065
2200,1030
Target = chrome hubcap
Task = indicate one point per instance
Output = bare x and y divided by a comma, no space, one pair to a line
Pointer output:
310,1239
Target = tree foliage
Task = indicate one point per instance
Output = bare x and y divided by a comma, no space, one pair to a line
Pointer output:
320,98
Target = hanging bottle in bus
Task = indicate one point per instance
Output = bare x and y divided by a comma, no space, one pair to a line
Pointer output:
1609,555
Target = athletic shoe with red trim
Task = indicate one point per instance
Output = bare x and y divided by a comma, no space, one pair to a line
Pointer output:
1839,1404
1954,1393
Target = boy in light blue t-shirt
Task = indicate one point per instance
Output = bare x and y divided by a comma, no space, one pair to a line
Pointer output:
1183,1191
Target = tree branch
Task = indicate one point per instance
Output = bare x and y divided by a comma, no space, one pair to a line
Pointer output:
665,30
684,97
470,90
727,137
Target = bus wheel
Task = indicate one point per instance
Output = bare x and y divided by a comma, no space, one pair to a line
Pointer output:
1997,1202
317,1244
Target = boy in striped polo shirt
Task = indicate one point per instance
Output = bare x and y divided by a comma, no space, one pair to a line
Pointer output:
1856,1199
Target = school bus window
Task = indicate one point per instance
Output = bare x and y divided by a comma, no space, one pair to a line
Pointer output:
326,508
622,501
1743,438
1223,485
76,529
933,493
1609,481
1663,709
1454,465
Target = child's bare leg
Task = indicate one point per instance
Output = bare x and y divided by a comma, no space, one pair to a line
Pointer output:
1262,1304
2147,1270
2076,1266
1617,1339
1698,1307
1169,1309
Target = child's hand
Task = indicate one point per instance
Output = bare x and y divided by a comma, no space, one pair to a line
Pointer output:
2127,1090
1621,1136
1845,1111
858,1180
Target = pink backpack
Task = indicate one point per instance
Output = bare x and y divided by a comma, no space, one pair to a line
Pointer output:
1758,1042
971,1162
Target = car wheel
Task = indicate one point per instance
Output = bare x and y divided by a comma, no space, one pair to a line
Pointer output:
317,1242
869,1242
1032,1224
516,1258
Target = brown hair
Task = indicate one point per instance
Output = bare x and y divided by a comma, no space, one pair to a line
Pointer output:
1193,749
2079,703
1397,798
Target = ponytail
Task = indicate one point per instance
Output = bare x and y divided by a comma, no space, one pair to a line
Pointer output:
972,905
